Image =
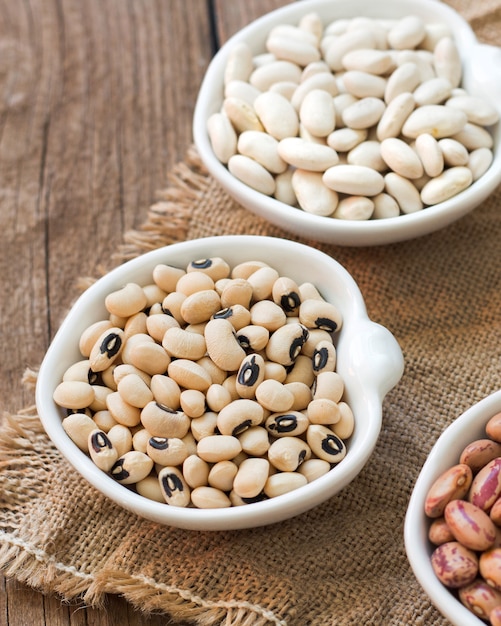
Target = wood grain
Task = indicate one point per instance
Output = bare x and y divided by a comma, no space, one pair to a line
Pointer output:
96,104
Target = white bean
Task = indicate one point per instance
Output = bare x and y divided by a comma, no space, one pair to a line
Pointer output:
447,185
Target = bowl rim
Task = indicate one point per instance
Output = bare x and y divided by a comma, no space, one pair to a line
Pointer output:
453,438
344,232
51,371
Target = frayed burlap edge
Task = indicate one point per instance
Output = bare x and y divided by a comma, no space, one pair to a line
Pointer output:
167,222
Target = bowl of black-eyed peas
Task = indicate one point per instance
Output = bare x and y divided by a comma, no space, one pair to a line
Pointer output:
220,383
352,122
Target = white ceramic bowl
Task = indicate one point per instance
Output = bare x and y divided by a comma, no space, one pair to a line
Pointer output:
444,454
482,76
369,360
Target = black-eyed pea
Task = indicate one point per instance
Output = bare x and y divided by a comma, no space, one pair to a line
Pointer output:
140,440
121,411
490,567
150,488
131,467
236,291
274,396
486,485
285,343
246,268
267,314
308,291
126,301
222,475
198,329
253,338
171,305
162,421
236,500
301,371
81,371
174,488
121,438
230,384
480,598
346,425
192,402
183,344
287,453
274,371
157,324
117,321
315,337
217,397
452,484
470,525
254,441
250,375
209,498
325,444
108,376
102,450
480,452
91,334
288,424
189,374
285,293
493,427
150,357
216,374
135,324
167,450
74,394
324,357
238,315
196,471
190,442
320,314
100,394
313,469
439,532
78,427
104,420
134,390
262,281
215,267
154,294
124,369
166,276
251,477
222,344
283,482
302,395
194,281
215,448
323,411
239,415
328,385
454,564
200,306
165,391
107,349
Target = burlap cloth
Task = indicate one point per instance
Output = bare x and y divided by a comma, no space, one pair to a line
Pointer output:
341,563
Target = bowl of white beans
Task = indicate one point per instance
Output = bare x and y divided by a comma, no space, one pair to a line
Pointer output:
354,123
221,383
453,520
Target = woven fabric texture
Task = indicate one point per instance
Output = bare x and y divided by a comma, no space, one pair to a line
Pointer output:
342,563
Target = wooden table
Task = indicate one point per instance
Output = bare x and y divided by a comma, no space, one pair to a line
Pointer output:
96,103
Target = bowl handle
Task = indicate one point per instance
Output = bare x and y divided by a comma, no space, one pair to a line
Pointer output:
380,359
484,73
